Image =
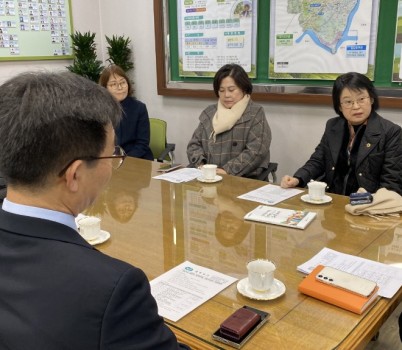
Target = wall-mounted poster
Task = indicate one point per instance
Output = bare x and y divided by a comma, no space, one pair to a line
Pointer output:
320,39
213,33
35,29
397,67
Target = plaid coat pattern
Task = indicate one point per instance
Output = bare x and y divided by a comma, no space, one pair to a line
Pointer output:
241,151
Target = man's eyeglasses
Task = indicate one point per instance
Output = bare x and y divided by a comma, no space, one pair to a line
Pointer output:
361,101
115,85
117,159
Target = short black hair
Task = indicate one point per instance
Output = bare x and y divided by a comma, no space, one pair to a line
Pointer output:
355,82
237,73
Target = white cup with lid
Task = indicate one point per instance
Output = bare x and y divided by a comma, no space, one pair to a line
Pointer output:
89,227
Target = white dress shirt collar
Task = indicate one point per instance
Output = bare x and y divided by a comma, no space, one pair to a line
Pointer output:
41,213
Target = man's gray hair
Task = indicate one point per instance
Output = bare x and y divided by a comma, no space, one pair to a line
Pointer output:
48,119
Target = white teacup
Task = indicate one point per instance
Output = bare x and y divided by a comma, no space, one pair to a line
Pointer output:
209,171
316,190
89,227
261,274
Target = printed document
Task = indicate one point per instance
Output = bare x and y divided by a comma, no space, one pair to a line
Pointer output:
270,194
185,287
181,175
388,278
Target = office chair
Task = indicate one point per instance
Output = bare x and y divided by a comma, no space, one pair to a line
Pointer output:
161,150
270,171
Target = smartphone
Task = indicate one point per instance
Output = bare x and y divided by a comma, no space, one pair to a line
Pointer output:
168,167
239,343
345,280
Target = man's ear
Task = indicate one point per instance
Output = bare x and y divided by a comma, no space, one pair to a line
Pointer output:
73,175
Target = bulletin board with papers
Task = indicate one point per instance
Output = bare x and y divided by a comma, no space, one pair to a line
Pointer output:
292,50
35,30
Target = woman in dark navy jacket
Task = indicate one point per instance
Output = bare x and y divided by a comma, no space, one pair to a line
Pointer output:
133,131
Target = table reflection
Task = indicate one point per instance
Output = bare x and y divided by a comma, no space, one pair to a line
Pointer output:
121,202
391,253
215,234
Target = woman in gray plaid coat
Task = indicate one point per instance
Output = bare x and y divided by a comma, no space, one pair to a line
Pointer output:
234,133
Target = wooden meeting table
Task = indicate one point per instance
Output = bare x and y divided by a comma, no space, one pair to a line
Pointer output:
156,225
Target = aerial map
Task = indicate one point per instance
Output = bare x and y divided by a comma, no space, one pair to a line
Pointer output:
311,39
397,67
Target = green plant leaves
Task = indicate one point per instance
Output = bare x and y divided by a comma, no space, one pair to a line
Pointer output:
119,52
85,62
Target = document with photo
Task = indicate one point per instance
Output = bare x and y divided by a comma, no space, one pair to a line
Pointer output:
284,217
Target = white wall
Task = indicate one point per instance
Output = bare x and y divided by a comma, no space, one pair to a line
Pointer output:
296,129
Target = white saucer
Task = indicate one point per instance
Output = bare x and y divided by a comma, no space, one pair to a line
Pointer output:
103,237
325,199
277,289
217,178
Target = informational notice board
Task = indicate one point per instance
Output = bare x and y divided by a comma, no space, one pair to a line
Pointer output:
291,49
35,29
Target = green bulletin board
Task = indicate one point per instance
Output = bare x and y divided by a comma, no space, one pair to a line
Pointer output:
35,30
300,90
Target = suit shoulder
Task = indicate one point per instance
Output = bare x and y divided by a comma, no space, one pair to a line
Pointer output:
388,125
252,104
255,108
335,121
211,108
101,267
116,264
208,113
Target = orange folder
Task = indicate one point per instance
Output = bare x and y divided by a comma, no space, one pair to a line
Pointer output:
334,295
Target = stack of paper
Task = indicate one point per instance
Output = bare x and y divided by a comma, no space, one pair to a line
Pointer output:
388,278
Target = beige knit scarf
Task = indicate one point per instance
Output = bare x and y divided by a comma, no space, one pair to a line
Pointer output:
225,118
385,203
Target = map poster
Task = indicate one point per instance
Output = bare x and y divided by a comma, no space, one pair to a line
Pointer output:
213,33
397,67
320,39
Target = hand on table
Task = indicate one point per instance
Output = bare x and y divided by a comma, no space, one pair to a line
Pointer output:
289,181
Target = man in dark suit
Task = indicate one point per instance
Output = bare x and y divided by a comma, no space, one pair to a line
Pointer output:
3,188
56,290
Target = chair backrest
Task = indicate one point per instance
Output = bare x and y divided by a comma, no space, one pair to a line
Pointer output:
158,142
270,171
